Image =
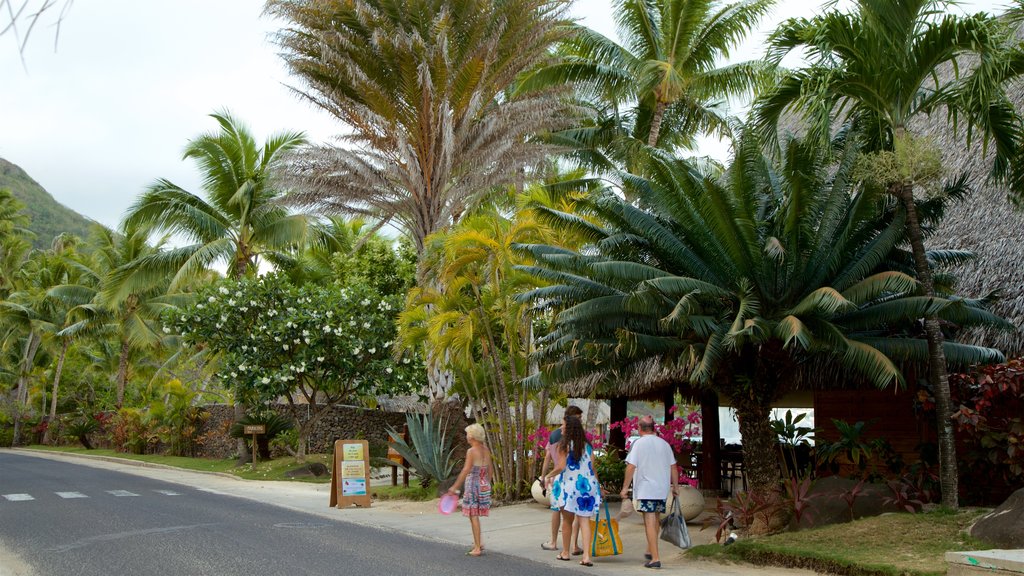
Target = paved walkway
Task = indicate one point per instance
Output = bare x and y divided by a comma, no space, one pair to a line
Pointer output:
516,530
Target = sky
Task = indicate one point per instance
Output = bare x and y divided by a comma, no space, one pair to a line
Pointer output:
130,82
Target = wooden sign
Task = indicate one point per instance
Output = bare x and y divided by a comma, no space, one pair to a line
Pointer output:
255,430
350,481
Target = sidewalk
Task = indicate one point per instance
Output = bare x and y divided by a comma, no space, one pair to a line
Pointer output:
516,530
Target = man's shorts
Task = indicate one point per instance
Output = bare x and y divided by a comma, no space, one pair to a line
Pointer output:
649,506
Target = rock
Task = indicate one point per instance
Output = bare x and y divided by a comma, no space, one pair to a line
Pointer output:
1004,526
827,507
312,469
691,502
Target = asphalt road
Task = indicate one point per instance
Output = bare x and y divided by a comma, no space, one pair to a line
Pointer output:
63,519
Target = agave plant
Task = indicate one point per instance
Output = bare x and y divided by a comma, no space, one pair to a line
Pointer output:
429,450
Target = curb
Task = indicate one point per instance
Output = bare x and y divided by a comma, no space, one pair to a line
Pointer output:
128,461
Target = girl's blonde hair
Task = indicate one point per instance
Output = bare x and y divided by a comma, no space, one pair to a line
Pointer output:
476,432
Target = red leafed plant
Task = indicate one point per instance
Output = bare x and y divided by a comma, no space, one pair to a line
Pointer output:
990,423
798,497
851,495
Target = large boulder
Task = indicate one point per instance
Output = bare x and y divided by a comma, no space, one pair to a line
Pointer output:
1004,526
827,506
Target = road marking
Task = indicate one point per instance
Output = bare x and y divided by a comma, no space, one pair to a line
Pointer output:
121,493
167,492
18,497
71,495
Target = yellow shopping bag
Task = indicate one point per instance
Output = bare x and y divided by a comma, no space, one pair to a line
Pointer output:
605,540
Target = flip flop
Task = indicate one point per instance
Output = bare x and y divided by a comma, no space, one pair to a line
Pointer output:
470,553
545,546
577,552
559,557
586,563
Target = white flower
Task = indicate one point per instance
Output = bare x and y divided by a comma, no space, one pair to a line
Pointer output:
265,380
234,375
167,330
231,302
243,367
244,308
405,360
223,318
388,370
244,347
277,338
319,358
366,324
218,325
211,299
305,332
351,322
200,306
284,346
238,294
327,328
306,340
182,318
330,313
356,351
223,290
372,350
252,303
387,344
365,302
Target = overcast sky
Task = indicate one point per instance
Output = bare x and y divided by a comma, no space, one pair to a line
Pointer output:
132,81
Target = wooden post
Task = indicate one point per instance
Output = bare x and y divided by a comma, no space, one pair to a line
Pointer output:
255,430
711,457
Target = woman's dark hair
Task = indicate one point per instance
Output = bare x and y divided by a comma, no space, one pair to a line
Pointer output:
574,438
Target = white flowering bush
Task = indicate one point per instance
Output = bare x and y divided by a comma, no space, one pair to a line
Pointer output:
312,345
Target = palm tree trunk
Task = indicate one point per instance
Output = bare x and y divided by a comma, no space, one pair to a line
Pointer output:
56,386
21,394
939,379
659,115
759,462
122,372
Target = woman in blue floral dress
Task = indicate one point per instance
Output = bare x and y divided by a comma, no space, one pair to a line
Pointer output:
580,489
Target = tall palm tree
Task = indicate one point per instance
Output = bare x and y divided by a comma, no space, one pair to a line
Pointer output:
666,80
878,67
740,284
14,238
423,88
112,302
238,223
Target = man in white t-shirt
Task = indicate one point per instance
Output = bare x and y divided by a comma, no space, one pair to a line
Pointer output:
651,468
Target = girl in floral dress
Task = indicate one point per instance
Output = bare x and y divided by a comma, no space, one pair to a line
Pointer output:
581,491
476,496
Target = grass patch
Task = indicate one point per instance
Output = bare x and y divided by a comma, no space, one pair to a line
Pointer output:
272,470
414,492
888,545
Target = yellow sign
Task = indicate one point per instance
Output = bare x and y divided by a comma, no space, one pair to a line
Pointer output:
352,452
352,469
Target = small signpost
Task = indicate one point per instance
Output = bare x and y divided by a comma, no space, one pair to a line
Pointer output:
350,480
255,430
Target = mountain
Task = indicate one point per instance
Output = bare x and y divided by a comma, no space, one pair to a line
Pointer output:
49,217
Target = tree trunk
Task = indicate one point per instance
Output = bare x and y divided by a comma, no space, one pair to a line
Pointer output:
122,373
759,462
659,115
56,386
21,393
937,376
243,449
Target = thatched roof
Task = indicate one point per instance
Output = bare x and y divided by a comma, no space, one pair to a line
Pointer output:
988,225
646,379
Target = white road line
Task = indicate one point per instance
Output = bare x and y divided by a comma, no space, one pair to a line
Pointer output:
71,495
167,492
121,493
18,497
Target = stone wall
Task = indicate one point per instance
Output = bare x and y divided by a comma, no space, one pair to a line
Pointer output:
340,422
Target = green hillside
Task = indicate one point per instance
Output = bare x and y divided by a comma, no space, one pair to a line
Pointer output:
49,217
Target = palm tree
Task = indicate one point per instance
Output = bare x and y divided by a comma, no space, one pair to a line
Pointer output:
740,284
238,223
667,72
423,86
878,67
115,303
14,239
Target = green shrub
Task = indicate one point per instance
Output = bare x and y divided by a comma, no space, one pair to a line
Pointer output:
275,424
6,437
81,426
611,470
